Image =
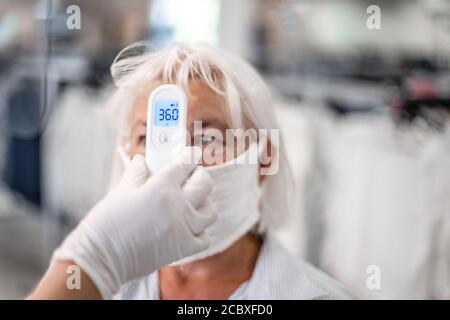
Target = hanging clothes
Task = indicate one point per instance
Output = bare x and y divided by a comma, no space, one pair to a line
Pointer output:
380,196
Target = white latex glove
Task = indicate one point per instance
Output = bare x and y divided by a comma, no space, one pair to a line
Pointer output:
142,225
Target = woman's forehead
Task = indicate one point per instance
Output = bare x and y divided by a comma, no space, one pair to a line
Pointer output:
203,102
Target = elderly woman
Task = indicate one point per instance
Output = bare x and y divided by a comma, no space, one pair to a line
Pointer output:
244,261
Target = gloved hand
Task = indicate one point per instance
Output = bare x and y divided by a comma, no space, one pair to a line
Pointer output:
142,225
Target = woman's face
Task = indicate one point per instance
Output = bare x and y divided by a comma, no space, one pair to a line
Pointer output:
204,105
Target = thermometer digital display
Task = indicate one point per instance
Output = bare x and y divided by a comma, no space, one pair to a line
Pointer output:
166,113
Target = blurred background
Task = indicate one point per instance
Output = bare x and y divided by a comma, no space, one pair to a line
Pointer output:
364,113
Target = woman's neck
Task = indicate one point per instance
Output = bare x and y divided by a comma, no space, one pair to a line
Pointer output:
214,277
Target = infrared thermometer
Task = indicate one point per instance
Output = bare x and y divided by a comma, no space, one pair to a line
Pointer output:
166,125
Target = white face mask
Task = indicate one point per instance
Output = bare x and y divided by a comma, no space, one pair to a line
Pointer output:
236,194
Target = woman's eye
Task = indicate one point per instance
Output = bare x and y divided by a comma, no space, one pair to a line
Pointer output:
207,139
142,140
204,139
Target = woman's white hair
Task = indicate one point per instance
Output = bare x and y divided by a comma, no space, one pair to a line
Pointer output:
247,97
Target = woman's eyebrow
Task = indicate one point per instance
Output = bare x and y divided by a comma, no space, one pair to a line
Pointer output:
215,123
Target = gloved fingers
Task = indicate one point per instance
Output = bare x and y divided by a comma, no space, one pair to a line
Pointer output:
209,211
198,187
199,220
179,170
136,173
